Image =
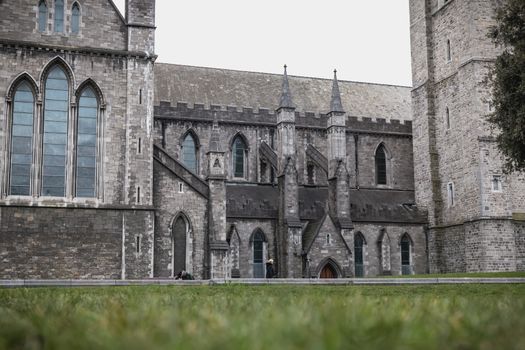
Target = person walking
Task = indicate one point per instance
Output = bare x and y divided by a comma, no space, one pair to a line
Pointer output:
270,272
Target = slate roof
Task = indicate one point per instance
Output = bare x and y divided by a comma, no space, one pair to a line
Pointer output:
212,86
366,205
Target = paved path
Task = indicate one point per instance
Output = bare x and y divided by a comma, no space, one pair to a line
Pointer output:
276,281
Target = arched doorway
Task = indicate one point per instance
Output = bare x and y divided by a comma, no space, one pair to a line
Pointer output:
328,271
329,268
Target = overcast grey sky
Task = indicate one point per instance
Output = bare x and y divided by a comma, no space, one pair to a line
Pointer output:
365,40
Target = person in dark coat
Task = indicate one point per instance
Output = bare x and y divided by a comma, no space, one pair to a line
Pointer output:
270,272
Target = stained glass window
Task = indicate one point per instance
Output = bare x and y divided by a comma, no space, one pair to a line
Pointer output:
258,261
22,141
189,154
59,16
86,144
42,16
381,165
56,106
239,149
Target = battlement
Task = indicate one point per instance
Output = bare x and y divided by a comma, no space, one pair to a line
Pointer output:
258,116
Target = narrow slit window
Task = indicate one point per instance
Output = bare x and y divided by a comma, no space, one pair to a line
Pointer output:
447,118
189,152
140,96
380,160
138,194
59,16
75,18
139,147
449,56
181,187
42,16
239,153
137,244
405,255
451,195
496,183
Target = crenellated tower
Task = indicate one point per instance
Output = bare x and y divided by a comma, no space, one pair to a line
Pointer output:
472,204
140,15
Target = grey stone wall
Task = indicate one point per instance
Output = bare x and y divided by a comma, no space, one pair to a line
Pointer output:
245,229
463,152
99,19
372,250
447,250
74,243
169,202
173,122
520,245
335,249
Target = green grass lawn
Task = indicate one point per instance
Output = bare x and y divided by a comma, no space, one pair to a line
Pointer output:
264,317
464,274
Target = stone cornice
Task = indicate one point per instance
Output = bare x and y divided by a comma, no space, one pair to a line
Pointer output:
7,43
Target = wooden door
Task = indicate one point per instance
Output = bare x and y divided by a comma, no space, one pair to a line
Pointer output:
328,272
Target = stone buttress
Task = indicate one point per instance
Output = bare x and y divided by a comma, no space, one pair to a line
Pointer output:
289,231
219,247
338,177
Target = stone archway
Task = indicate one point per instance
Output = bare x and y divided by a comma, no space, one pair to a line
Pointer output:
329,268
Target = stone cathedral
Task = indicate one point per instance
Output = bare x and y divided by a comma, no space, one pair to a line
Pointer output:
115,166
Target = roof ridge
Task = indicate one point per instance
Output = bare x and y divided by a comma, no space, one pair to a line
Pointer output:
277,74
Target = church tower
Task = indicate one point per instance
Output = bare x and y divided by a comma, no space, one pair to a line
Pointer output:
290,247
472,205
140,18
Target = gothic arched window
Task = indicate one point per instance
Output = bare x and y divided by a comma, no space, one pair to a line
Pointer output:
179,241
22,140
238,156
380,159
258,255
59,16
189,152
405,255
75,18
55,125
359,242
86,157
42,16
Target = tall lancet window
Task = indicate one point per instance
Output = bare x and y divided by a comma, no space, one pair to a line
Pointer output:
86,144
22,141
189,152
56,105
75,18
380,159
42,16
59,16
238,155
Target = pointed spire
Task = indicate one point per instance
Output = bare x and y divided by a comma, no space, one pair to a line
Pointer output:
286,97
335,103
215,139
